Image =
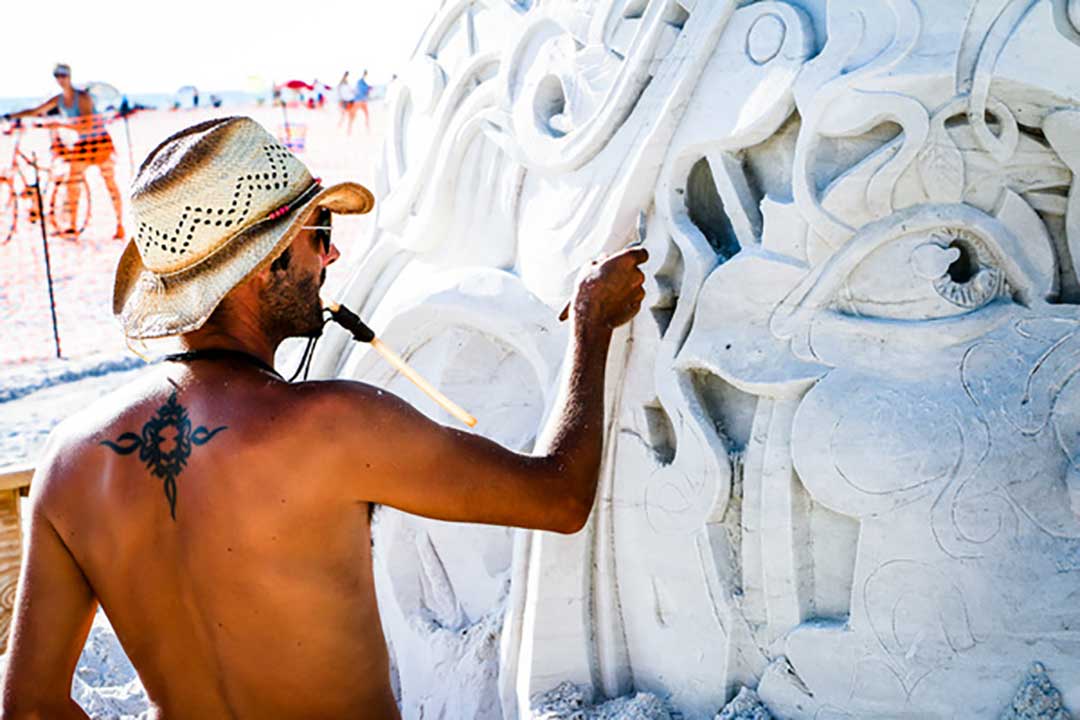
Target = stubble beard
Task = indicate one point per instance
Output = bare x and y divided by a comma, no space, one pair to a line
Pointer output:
293,306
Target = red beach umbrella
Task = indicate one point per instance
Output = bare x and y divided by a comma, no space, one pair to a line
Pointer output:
296,85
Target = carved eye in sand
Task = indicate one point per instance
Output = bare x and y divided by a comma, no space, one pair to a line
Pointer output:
960,268
930,262
923,276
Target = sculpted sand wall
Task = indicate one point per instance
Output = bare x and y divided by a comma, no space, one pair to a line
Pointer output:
842,455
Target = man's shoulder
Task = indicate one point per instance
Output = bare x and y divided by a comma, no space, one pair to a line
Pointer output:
67,457
334,397
347,408
73,443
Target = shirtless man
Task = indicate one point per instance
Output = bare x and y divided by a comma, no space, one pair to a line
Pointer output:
220,515
94,147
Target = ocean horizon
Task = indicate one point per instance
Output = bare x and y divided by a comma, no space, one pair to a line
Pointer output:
167,100
157,100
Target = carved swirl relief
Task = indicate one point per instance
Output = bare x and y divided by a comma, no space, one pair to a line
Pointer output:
913,288
10,559
842,459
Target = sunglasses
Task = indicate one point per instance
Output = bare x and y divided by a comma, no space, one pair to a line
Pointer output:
322,230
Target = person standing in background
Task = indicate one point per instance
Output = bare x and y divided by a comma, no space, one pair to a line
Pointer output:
346,98
363,91
94,146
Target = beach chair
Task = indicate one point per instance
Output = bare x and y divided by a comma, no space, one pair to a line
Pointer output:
293,136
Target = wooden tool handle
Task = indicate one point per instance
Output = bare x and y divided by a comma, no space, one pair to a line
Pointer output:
361,332
430,390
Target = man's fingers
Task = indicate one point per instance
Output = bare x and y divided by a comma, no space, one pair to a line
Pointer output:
635,255
632,255
618,274
626,266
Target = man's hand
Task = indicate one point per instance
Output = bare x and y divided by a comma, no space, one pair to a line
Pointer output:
610,293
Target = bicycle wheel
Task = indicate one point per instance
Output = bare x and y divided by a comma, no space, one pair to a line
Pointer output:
58,198
9,210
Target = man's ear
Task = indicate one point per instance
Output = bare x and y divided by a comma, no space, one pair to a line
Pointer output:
256,282
259,278
279,264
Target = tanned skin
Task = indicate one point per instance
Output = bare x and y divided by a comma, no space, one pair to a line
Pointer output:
257,600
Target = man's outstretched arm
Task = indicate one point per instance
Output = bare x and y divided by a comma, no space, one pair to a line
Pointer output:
395,456
54,608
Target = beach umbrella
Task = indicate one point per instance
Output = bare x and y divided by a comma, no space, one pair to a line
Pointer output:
105,95
296,85
187,92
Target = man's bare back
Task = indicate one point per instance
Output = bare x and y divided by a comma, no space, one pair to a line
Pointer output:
220,515
258,601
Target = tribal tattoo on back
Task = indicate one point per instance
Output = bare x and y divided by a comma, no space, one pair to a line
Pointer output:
165,444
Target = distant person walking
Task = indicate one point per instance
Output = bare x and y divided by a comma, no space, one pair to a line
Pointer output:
94,147
363,92
347,100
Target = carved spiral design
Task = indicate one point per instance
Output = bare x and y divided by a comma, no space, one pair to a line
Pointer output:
766,38
8,586
5,627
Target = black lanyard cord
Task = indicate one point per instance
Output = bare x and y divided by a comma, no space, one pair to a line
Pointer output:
222,354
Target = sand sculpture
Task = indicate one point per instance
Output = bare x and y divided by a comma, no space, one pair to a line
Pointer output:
842,460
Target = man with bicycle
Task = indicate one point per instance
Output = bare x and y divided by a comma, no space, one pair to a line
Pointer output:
94,146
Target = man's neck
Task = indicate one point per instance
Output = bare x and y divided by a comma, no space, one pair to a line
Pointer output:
248,340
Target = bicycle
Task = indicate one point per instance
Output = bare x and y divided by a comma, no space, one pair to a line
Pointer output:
17,188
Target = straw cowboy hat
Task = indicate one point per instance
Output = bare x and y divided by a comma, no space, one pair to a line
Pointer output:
213,205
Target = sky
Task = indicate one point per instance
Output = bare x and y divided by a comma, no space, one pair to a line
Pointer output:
144,46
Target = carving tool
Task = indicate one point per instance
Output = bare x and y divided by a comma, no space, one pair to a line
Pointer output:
642,226
349,320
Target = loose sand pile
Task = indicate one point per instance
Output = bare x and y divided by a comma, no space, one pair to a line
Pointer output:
569,702
105,683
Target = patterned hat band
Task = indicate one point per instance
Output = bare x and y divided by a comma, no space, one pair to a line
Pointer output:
298,201
275,214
